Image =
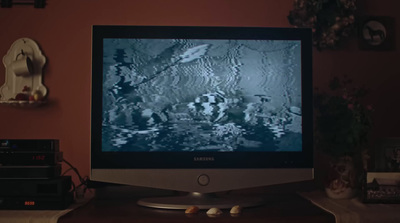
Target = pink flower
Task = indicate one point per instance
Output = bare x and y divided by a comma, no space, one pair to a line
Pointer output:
350,106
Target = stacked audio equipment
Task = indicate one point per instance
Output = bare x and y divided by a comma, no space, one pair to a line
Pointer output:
30,175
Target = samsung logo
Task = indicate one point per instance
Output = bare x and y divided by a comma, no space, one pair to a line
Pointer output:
203,158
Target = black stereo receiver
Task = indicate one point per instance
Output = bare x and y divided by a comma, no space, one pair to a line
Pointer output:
44,145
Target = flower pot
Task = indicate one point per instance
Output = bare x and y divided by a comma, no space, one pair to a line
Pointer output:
342,179
340,191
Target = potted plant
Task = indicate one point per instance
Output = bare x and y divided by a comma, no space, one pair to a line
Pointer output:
330,20
342,126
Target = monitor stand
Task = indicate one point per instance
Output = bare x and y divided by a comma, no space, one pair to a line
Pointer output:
202,201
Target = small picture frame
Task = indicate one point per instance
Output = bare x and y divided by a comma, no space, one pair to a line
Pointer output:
381,187
382,182
376,33
387,155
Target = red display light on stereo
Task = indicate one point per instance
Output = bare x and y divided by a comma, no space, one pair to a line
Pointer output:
29,203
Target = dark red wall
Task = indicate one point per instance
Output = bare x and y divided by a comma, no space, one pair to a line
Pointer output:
63,31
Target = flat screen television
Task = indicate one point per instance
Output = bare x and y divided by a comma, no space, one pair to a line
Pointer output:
201,110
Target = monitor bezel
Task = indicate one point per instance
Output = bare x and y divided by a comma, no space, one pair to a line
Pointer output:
178,160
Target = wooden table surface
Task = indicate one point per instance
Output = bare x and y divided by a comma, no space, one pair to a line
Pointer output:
120,206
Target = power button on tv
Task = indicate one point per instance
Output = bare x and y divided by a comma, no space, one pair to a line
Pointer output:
203,180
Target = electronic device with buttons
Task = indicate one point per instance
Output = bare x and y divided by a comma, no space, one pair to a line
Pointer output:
30,175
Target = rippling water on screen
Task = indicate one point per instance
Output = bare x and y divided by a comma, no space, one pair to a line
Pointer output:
201,95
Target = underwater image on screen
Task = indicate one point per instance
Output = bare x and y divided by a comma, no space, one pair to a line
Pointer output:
184,95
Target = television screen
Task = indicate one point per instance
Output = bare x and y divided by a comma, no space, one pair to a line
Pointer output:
201,95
